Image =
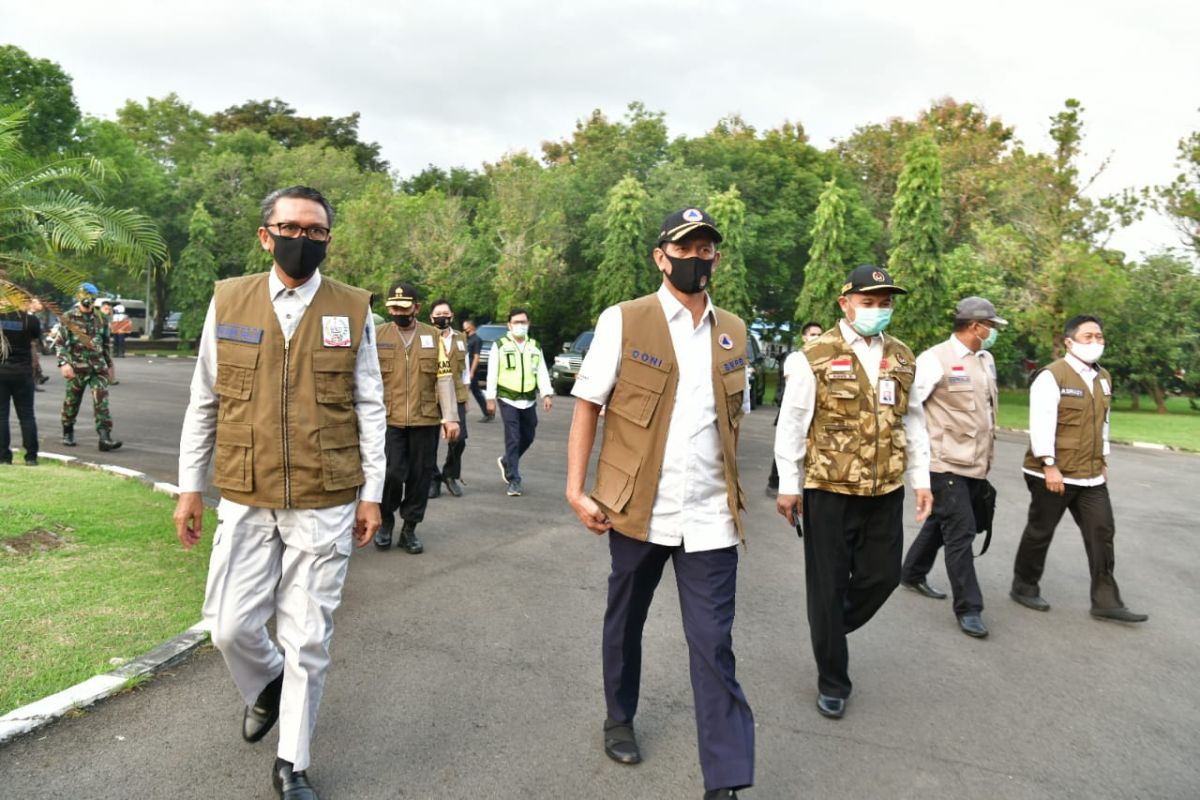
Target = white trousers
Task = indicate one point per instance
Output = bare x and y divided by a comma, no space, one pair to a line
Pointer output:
290,564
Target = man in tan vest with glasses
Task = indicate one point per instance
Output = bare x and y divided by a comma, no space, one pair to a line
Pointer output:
956,380
1066,469
672,370
287,395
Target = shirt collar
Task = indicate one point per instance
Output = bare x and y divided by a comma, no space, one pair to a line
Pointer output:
1079,366
672,306
961,350
304,291
851,336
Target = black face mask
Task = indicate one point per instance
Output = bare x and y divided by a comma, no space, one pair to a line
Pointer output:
403,320
690,275
299,257
441,323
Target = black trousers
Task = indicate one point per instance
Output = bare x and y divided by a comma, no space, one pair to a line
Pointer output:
952,525
1092,510
454,451
477,393
19,390
411,456
852,549
707,583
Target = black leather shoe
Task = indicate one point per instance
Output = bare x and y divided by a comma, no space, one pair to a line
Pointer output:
1121,614
291,785
107,443
972,625
435,488
832,707
69,435
31,461
383,536
620,743
261,716
720,794
453,487
923,588
409,540
1034,601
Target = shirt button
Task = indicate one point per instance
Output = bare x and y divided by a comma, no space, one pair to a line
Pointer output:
291,293
289,316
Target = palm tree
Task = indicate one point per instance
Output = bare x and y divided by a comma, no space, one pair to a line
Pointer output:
53,208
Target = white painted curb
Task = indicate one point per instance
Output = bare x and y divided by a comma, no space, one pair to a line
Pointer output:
40,712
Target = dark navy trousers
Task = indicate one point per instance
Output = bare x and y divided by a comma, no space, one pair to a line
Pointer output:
520,426
707,583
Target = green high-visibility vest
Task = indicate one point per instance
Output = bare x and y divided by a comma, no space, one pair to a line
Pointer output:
517,370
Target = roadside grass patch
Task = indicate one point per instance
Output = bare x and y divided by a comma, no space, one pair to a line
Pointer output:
1180,427
90,571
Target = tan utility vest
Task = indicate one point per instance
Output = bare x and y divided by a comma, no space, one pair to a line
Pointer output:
855,443
639,413
458,363
961,413
287,432
409,375
1079,437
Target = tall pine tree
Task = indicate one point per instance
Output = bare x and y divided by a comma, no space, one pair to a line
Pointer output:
827,267
729,281
923,315
624,255
193,277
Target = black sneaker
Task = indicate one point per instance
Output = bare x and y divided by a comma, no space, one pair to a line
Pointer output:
514,488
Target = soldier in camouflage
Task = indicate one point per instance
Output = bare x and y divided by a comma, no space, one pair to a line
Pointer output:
850,429
83,348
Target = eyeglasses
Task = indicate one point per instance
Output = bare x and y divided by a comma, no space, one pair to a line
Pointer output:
290,230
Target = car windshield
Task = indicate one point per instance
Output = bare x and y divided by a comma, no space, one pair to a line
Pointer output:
490,333
583,341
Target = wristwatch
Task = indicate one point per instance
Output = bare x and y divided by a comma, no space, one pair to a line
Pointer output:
1048,461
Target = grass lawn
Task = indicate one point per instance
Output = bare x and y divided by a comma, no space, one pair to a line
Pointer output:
1179,428
98,574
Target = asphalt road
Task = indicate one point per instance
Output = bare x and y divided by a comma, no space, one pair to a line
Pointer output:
473,670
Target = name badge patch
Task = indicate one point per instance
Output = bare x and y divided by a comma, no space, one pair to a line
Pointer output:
1104,387
887,392
336,331
960,379
239,333
462,347
730,366
645,358
426,341
1066,392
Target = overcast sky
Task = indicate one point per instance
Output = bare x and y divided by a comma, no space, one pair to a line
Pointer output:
460,83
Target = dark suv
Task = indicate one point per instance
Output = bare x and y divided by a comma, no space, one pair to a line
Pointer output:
488,334
756,365
566,363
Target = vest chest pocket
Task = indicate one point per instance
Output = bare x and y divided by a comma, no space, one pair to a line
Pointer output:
638,391
334,375
341,461
235,370
233,467
428,396
842,396
904,382
735,394
1070,409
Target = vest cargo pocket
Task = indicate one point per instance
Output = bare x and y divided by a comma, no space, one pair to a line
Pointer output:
958,447
235,370
429,401
233,467
835,455
615,473
334,373
341,462
841,396
1070,410
638,390
735,393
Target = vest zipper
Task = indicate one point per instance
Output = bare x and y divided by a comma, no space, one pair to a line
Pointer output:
287,454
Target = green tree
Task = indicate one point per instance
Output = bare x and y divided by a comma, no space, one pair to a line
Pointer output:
729,281
917,233
1180,199
282,124
193,277
168,129
624,249
45,90
49,210
827,260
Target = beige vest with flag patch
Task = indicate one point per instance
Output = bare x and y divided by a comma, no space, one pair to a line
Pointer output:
961,413
856,445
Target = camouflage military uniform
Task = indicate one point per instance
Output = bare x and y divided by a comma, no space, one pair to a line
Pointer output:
84,342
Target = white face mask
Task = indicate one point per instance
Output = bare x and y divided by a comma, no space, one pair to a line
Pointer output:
519,331
1087,353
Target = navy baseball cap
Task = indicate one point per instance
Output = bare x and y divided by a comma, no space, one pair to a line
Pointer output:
679,224
868,278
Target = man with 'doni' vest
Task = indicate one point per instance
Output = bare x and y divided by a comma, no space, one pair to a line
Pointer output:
287,402
671,370
850,429
1066,469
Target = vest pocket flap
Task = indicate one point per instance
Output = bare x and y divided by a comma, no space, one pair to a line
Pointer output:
646,376
233,466
235,434
615,473
735,382
429,364
333,360
336,436
843,389
1071,409
334,374
235,370
638,389
237,355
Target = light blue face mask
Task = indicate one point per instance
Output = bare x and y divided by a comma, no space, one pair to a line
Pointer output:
871,321
991,338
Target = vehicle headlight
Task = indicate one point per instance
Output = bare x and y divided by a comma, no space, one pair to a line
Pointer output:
561,361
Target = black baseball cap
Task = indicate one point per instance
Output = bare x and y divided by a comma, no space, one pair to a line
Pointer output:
868,278
679,224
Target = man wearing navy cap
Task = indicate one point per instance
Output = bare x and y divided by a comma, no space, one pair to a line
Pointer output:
850,429
671,369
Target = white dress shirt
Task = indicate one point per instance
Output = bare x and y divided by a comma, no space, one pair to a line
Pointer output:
543,377
929,367
200,420
448,344
691,507
800,400
1043,417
